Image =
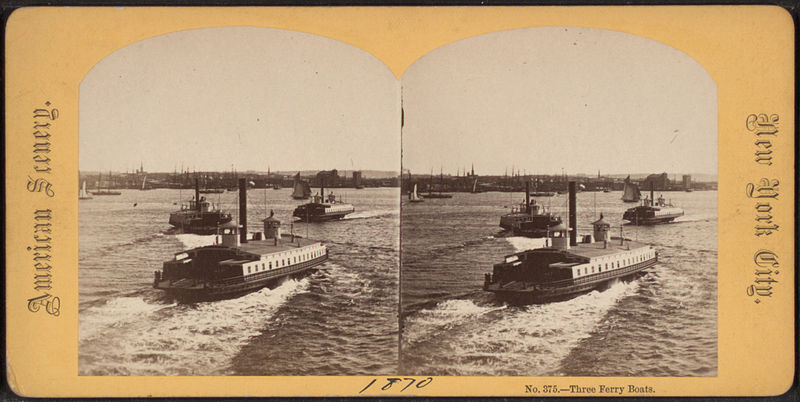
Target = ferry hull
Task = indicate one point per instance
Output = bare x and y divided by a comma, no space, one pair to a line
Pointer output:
323,218
521,293
188,291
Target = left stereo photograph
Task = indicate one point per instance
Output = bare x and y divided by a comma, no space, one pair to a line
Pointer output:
239,207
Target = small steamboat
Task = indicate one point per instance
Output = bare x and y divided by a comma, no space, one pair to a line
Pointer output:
568,268
238,265
320,210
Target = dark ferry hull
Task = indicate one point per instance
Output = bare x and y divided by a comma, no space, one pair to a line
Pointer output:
188,291
322,218
519,293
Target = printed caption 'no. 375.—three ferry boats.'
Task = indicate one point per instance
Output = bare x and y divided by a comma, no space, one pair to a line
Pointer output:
239,265
568,268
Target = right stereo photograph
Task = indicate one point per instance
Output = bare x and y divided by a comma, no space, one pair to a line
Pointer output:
559,211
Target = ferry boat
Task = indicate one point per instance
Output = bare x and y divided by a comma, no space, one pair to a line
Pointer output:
301,191
651,213
320,210
630,193
529,219
567,268
198,216
238,265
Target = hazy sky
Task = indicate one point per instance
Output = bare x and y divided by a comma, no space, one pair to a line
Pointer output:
544,99
250,97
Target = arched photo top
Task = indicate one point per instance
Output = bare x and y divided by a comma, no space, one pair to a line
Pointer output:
548,98
251,97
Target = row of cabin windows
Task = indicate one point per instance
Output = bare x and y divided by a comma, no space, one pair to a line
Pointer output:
601,268
282,262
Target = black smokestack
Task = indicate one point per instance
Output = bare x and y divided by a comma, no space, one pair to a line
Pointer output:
243,210
197,194
322,188
652,200
527,196
573,219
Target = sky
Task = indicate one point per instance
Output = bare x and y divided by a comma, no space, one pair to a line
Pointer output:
546,99
239,97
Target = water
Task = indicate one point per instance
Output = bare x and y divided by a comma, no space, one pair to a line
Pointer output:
340,320
661,324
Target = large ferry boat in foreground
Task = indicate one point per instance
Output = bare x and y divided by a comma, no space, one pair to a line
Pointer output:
568,268
239,265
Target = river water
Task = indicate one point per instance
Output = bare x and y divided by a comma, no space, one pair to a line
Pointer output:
340,320
661,324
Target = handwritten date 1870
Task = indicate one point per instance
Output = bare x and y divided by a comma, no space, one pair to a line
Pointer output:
405,383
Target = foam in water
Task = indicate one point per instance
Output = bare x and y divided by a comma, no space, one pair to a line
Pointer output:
525,243
192,240
371,214
198,339
531,340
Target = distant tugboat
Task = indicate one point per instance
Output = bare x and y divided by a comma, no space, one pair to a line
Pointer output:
320,210
199,216
302,191
238,265
651,213
630,193
568,268
529,219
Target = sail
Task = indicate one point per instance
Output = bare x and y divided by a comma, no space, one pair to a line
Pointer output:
474,185
413,196
301,189
630,192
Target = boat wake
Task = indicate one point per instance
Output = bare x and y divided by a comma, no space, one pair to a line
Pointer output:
190,241
139,337
491,340
373,214
521,243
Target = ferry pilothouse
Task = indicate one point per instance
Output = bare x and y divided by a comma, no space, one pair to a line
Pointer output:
568,268
238,265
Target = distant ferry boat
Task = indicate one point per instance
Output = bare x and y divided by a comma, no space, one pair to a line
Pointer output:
198,216
568,268
630,193
529,219
302,191
238,265
320,210
651,213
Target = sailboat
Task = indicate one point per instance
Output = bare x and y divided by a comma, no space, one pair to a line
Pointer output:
413,197
302,191
144,184
431,194
631,191
107,191
82,194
